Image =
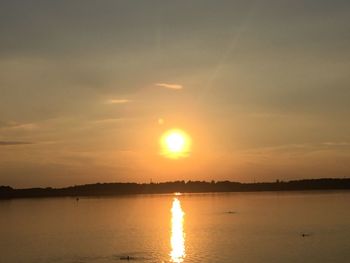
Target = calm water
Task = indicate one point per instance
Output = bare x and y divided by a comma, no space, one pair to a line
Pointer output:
236,227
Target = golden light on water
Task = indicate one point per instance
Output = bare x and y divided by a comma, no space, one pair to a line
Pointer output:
177,240
175,144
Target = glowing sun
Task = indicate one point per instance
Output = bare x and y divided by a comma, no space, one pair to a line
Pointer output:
175,144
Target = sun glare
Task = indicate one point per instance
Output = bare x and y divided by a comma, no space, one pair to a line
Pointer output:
177,240
175,144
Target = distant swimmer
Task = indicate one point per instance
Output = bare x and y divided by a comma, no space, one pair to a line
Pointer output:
231,212
305,235
127,258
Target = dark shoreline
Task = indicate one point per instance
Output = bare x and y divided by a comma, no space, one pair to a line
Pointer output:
115,189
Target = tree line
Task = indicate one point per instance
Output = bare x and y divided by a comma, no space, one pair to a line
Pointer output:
109,189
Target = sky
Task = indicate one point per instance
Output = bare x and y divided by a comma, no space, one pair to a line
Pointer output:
87,88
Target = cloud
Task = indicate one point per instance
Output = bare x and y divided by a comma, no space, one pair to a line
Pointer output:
170,86
118,101
8,143
18,126
300,148
25,126
336,144
109,120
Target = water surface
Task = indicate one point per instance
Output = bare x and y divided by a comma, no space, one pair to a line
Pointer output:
233,227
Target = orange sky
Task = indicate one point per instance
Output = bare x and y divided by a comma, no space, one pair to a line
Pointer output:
261,88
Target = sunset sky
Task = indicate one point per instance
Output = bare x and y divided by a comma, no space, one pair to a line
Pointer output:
87,88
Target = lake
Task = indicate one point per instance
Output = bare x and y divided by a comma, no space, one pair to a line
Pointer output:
226,227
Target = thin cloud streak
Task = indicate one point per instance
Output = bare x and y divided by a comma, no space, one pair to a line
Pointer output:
9,143
118,101
18,126
306,147
169,86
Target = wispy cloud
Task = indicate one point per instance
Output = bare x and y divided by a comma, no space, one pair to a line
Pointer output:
18,126
335,144
26,126
109,120
117,101
302,147
8,143
170,86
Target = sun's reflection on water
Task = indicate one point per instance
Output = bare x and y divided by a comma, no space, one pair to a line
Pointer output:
177,240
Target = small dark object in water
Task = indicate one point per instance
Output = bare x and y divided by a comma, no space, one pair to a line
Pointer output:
77,199
305,235
127,258
231,212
